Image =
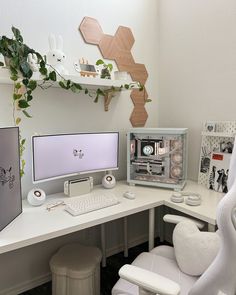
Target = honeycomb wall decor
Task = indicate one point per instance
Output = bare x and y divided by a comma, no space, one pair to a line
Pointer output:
118,48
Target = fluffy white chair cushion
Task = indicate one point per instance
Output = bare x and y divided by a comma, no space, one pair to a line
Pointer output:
194,250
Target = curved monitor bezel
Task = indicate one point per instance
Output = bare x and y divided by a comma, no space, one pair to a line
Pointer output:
75,173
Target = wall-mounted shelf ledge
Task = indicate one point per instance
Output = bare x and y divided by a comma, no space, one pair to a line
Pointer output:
86,82
218,134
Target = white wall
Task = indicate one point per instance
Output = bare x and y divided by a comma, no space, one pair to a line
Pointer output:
56,111
197,67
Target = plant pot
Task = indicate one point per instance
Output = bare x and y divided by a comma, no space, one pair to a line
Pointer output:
105,74
7,62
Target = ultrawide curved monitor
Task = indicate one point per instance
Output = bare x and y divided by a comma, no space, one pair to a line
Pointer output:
61,155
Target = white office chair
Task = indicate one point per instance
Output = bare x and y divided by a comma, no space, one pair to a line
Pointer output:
192,266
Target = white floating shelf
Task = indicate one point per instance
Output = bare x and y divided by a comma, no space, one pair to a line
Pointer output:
218,134
88,82
97,82
85,82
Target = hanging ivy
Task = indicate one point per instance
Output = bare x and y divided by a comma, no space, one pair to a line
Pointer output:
15,53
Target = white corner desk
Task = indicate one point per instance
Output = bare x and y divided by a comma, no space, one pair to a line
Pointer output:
36,224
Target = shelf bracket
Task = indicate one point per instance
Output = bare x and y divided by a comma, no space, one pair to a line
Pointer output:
107,99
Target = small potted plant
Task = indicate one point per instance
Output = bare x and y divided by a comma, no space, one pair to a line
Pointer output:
106,70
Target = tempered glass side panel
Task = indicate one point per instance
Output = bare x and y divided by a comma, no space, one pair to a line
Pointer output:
157,157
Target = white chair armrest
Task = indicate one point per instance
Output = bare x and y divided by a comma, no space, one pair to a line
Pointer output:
171,218
148,280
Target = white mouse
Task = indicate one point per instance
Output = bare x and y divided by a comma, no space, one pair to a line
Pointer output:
129,195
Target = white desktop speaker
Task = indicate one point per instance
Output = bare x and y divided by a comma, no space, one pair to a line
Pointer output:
36,197
108,181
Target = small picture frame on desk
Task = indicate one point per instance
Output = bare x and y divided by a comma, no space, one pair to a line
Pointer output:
210,126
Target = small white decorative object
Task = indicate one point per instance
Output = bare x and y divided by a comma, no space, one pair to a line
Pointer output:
210,126
56,57
33,62
36,197
120,75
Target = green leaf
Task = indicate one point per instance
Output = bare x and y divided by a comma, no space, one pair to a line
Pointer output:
14,77
26,114
1,64
100,92
110,67
141,87
96,98
18,120
17,34
43,71
74,89
23,104
78,86
13,70
32,85
42,64
16,96
25,81
126,86
68,83
148,100
100,62
18,85
61,83
86,91
25,69
53,76
29,97
23,141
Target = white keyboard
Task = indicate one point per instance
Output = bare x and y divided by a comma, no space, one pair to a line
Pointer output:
84,204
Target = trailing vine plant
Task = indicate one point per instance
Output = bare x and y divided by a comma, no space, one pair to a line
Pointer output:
15,53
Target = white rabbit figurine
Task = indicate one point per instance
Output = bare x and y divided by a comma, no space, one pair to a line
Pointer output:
33,62
56,56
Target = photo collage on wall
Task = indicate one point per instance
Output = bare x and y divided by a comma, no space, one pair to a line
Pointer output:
218,174
217,145
219,157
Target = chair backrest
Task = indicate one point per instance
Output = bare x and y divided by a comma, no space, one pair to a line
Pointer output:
220,277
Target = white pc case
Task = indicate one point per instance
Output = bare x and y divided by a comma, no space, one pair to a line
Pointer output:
157,157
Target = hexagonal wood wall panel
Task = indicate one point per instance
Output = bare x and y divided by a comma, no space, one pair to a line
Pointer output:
118,48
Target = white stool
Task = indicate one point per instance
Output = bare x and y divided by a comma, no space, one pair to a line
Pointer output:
76,270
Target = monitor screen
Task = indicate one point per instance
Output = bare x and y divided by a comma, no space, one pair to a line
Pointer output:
61,155
10,182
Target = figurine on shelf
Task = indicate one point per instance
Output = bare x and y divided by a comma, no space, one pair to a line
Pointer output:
33,62
55,56
106,70
85,69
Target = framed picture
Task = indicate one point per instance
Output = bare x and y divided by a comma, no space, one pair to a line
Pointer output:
226,146
218,174
10,182
210,126
85,69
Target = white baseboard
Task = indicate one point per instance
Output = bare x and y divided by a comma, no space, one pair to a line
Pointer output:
27,285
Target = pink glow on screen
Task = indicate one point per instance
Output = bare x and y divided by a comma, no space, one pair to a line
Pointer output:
61,155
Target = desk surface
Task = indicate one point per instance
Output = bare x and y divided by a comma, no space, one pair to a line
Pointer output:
36,224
